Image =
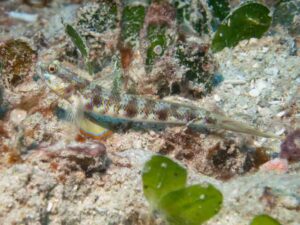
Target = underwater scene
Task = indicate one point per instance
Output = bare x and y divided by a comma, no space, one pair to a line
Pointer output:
150,112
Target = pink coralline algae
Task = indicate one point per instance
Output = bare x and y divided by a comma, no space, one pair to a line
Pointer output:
290,147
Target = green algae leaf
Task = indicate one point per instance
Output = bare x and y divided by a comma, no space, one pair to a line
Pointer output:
89,67
77,40
132,22
192,205
80,44
160,176
248,21
264,220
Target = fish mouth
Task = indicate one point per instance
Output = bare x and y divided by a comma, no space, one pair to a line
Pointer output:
47,77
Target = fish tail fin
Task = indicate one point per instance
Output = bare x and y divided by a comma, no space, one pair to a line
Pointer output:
223,122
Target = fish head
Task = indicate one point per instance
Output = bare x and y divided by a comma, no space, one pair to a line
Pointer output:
59,77
53,75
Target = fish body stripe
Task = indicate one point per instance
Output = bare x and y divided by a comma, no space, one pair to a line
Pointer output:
133,107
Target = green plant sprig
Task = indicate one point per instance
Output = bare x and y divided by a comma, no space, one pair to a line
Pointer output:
164,185
250,20
80,45
264,220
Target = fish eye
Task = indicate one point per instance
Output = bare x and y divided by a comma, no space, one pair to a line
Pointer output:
52,68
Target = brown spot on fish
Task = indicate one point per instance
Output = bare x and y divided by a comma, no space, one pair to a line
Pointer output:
117,108
175,113
107,105
210,120
69,91
149,106
97,100
189,115
162,114
80,86
131,108
115,98
97,91
89,106
96,96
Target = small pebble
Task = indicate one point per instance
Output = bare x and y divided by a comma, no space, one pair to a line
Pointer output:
217,98
49,206
280,132
265,49
23,16
276,165
281,114
290,202
93,149
255,65
17,116
253,40
254,92
259,86
272,71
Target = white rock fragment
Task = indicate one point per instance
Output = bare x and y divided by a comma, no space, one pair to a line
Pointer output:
290,202
17,116
271,71
49,207
253,40
235,82
259,86
281,114
265,49
23,16
276,102
217,98
254,92
256,65
280,132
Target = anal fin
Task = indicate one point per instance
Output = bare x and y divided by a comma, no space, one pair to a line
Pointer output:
93,130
